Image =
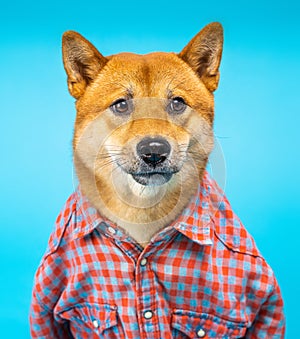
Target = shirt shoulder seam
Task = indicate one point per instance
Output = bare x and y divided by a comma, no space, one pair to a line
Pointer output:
53,248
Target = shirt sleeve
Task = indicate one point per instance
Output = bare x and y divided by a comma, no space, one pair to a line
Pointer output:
43,325
269,322
49,282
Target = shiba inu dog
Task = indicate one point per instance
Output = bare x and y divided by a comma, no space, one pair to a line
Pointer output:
148,246
143,131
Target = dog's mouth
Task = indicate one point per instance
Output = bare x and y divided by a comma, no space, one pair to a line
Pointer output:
152,178
152,161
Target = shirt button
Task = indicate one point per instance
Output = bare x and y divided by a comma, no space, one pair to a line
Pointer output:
148,314
111,230
95,323
201,333
143,262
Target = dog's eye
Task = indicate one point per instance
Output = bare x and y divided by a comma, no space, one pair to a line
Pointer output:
122,107
176,105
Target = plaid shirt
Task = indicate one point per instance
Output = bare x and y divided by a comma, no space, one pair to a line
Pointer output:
201,277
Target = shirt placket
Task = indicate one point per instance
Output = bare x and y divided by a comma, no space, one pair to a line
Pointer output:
146,303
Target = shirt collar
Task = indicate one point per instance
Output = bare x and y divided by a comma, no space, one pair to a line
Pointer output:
87,218
194,222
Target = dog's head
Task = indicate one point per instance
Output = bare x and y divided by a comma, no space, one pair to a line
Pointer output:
143,130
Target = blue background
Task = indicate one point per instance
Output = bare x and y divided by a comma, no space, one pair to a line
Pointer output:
257,123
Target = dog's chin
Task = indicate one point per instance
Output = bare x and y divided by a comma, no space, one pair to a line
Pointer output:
152,179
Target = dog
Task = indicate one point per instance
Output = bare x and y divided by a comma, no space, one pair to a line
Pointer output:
148,245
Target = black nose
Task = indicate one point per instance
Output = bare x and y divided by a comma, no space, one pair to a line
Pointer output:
153,151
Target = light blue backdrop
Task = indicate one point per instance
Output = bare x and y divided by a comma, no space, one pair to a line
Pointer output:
257,122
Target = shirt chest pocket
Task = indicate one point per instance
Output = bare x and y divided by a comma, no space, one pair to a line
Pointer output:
192,325
92,321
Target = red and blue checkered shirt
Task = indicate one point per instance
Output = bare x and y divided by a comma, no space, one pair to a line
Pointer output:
200,277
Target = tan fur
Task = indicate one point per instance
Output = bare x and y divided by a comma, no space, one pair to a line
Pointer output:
104,143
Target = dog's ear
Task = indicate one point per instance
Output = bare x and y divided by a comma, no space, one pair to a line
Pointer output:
203,53
82,62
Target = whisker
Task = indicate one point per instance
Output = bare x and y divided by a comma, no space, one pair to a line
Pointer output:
222,137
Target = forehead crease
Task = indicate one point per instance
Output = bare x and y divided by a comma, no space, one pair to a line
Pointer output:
132,70
149,75
163,70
